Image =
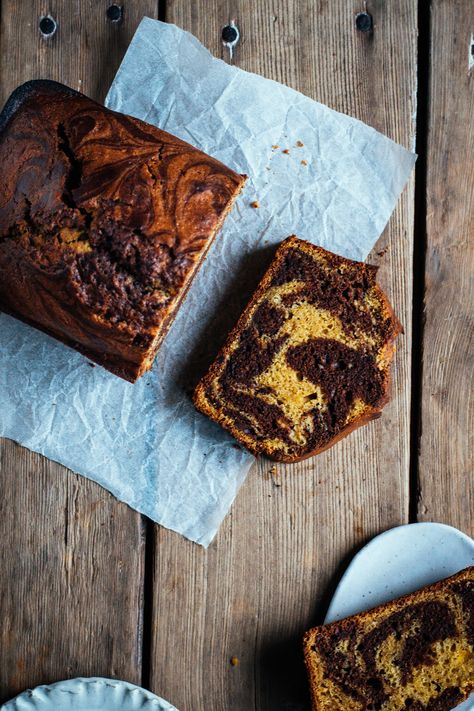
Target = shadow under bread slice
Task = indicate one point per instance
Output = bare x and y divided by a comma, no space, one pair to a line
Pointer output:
415,653
104,220
309,358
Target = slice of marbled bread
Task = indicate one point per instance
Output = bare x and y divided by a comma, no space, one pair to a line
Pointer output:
309,359
415,653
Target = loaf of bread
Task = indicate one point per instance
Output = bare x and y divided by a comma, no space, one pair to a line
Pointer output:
309,359
104,220
414,653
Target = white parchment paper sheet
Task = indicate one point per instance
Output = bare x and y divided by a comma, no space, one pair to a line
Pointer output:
145,443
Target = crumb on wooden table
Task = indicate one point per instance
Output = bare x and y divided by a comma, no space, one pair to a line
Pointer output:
275,476
300,144
255,204
234,661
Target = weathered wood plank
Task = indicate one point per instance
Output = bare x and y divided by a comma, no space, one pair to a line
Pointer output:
85,51
266,577
72,557
446,465
72,576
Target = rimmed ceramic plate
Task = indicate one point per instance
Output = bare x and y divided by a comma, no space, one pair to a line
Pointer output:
400,561
92,694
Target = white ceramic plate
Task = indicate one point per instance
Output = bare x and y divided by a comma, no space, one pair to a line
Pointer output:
92,694
398,562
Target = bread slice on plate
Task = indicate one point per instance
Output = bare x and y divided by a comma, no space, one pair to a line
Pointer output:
104,220
309,359
415,653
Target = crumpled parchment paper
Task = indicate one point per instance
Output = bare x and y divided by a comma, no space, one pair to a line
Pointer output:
145,442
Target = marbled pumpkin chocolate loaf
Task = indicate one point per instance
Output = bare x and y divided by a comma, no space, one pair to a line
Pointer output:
309,359
414,653
104,220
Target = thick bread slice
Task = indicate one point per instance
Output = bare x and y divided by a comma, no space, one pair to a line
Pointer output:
416,653
309,359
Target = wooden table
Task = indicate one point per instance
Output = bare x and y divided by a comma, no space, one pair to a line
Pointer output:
88,587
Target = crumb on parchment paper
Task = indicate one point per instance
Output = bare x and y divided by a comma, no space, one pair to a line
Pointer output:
255,204
286,151
300,144
275,147
304,162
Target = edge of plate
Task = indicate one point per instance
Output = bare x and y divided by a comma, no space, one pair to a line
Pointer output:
385,534
73,686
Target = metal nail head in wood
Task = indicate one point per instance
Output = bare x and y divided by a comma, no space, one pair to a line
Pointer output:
364,22
230,36
115,13
48,26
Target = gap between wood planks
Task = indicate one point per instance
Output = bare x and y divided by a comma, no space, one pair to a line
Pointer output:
150,551
418,286
419,250
150,544
161,10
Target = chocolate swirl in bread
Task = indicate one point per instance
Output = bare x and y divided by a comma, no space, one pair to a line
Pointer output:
414,653
103,222
309,358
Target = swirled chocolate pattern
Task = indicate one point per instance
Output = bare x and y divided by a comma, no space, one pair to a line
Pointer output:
103,222
414,653
308,360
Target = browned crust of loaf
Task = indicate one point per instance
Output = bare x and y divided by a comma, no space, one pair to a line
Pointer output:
114,365
200,399
389,607
121,366
360,421
107,344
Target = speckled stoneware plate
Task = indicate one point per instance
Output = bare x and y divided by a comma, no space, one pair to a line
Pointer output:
92,694
400,561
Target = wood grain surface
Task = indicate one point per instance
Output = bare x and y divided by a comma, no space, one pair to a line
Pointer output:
84,52
87,587
446,463
267,576
72,575
72,557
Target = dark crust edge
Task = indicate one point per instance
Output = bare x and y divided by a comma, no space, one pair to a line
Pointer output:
117,366
392,606
45,86
28,89
200,399
124,369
